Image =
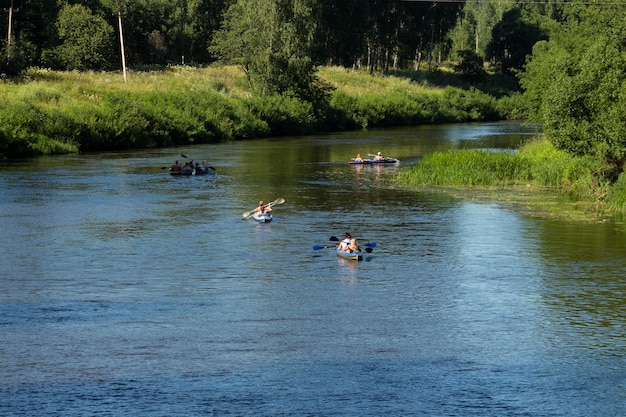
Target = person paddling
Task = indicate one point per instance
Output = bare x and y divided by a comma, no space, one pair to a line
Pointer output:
176,167
348,244
262,208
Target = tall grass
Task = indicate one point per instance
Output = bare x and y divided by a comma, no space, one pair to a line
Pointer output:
471,168
537,164
182,105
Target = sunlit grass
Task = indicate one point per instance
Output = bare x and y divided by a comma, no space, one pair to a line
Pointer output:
362,83
179,105
536,166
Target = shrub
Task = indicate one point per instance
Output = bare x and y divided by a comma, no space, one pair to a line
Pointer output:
470,66
617,195
284,115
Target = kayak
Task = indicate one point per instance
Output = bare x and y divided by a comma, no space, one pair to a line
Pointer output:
374,161
202,171
355,256
262,217
187,171
182,171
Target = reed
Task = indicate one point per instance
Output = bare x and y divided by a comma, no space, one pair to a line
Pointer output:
469,168
536,165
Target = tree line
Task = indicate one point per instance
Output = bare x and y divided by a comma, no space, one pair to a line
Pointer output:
376,34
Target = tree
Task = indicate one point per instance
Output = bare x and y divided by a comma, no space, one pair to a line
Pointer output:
339,39
271,41
513,39
575,84
475,24
87,40
470,66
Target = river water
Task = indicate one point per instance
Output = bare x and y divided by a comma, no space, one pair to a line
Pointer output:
127,292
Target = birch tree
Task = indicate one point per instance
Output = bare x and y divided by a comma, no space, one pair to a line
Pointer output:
271,41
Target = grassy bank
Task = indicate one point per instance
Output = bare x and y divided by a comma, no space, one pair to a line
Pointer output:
536,166
56,112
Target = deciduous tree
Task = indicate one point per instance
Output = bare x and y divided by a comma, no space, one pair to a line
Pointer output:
271,41
87,39
575,84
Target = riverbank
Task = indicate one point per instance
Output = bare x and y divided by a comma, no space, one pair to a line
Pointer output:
577,185
47,112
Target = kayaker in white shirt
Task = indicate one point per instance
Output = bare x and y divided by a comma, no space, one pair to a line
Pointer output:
348,244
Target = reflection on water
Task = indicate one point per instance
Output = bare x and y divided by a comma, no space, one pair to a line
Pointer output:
124,291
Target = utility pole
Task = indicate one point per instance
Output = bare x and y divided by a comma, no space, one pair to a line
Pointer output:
182,32
10,30
119,20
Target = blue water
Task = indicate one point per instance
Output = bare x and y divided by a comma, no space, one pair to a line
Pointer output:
124,291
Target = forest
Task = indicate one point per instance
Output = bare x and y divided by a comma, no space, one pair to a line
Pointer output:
380,35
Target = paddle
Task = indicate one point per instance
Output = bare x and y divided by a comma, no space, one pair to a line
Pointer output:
369,246
385,158
186,157
247,214
320,247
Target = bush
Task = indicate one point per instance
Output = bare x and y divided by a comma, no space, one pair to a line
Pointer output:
284,115
617,194
470,66
470,105
512,107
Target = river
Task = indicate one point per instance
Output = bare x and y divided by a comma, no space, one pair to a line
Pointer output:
127,292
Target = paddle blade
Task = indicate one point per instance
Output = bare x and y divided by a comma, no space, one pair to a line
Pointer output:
334,238
371,244
184,156
368,250
319,247
277,201
247,214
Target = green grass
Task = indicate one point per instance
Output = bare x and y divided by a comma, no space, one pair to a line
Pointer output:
537,165
180,105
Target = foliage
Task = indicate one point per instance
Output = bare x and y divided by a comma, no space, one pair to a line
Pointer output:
87,40
575,85
271,41
12,62
512,107
537,163
474,105
617,194
381,35
469,168
513,38
470,66
183,105
473,29
284,115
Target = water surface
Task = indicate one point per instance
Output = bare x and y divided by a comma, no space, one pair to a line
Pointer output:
124,291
